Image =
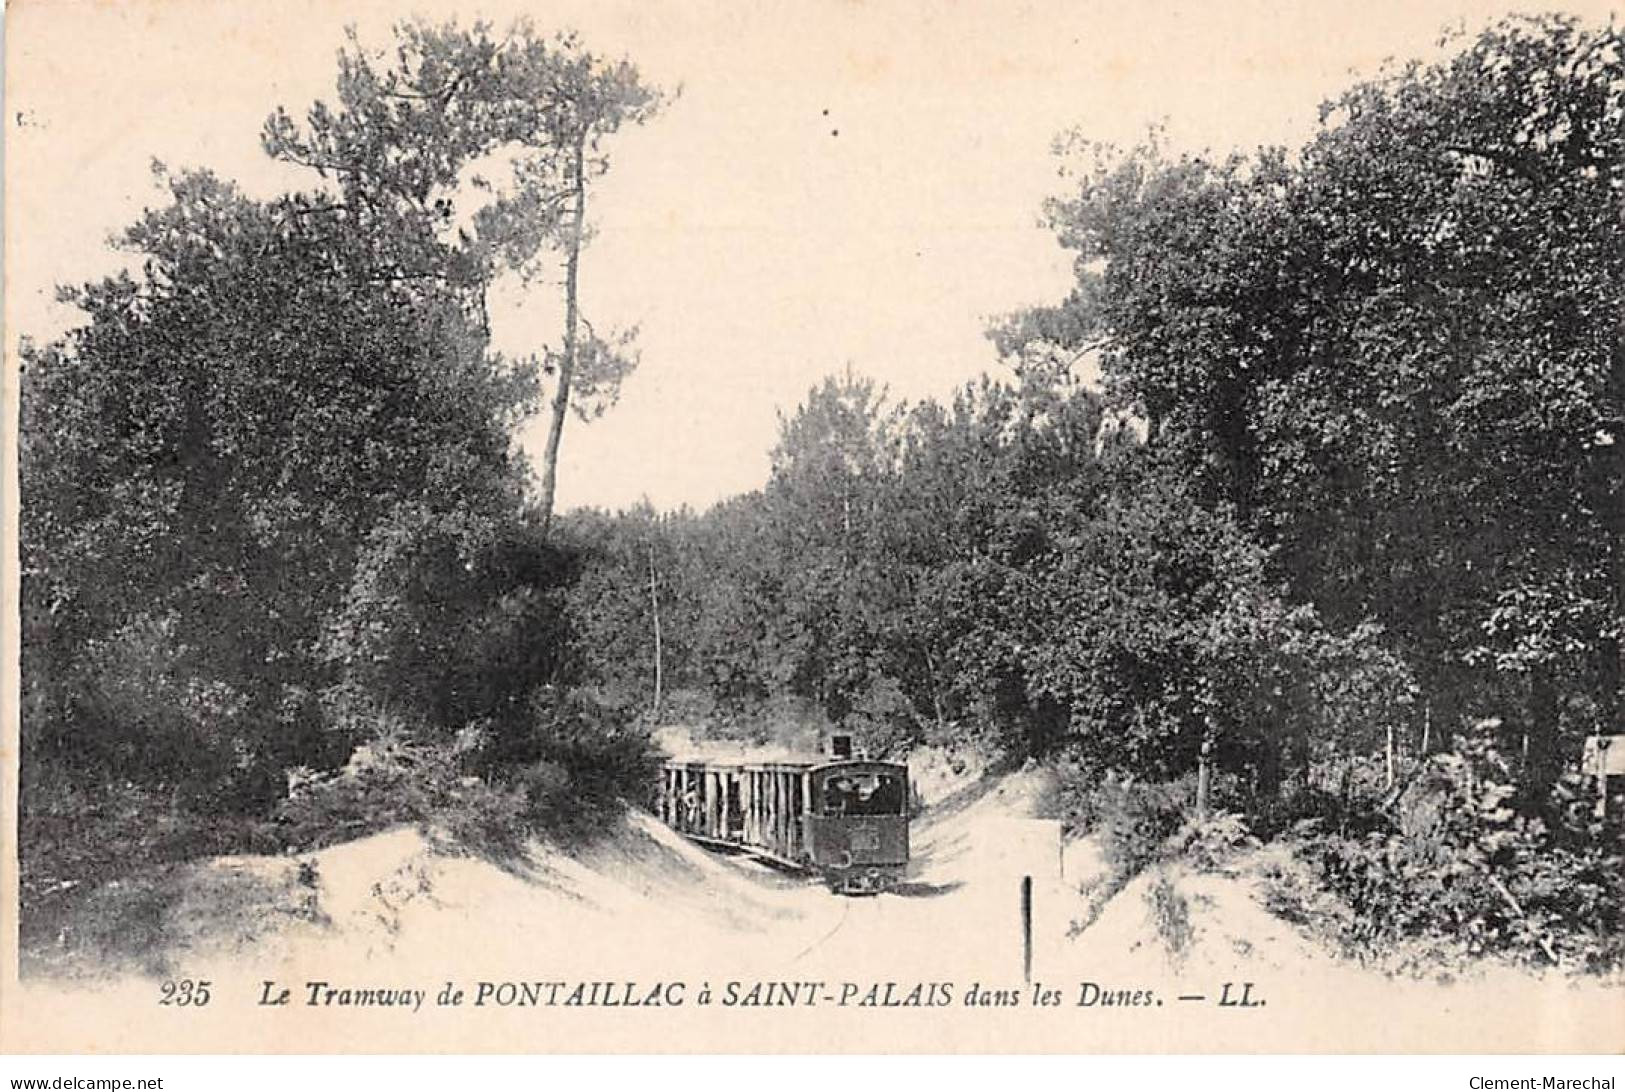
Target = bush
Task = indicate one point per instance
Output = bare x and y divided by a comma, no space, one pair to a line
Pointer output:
1291,889
490,821
1142,823
488,790
1136,821
385,784
393,783
1456,875
574,762
1210,844
547,789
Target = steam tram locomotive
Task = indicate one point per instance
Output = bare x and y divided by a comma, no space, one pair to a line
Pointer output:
845,819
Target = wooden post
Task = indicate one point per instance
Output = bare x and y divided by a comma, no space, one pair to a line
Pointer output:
1204,776
713,802
1027,929
1389,757
1602,776
778,812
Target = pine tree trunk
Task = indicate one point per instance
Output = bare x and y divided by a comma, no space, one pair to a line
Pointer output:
572,318
654,605
1543,763
1388,759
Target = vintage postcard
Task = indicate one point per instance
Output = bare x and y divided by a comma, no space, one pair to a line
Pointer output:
820,527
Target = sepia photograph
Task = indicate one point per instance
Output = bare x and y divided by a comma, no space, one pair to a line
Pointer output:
885,527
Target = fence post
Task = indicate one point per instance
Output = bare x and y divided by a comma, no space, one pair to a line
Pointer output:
1027,929
1204,776
1602,776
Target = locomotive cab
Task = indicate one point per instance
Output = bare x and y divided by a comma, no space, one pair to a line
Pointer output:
857,823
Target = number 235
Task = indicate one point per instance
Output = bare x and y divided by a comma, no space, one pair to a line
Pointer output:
185,992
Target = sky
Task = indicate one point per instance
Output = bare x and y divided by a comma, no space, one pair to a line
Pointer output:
837,183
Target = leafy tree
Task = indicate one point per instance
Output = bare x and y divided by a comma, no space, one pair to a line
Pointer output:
451,621
631,607
1160,628
823,504
412,144
734,584
1397,357
204,457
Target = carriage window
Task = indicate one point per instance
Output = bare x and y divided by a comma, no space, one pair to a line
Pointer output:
863,794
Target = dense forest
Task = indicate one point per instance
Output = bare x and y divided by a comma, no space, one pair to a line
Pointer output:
1316,477
1346,513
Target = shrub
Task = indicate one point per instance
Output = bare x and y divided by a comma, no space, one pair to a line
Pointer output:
385,783
585,774
390,783
1291,889
607,759
1135,821
1210,844
548,791
1457,875
490,821
574,762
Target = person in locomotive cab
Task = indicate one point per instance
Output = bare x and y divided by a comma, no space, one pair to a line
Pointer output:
879,794
839,794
